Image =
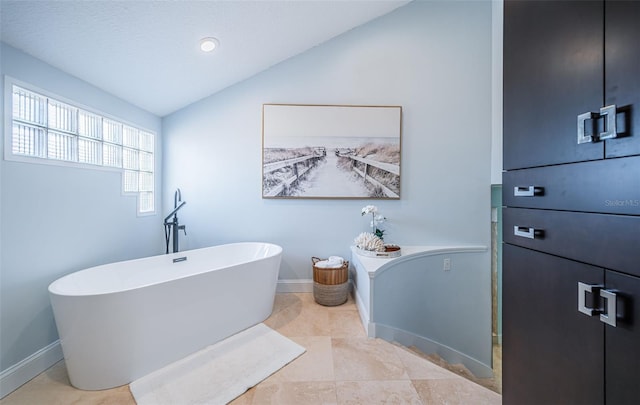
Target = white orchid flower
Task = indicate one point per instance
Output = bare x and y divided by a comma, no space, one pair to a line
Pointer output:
369,209
375,219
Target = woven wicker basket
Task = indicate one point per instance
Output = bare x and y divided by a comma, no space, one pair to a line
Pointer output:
330,286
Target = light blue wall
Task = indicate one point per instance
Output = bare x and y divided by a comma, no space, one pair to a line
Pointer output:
55,220
432,58
416,303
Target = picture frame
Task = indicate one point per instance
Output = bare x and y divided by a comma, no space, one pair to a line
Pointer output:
331,151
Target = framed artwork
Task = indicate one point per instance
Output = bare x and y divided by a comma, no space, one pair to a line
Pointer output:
331,151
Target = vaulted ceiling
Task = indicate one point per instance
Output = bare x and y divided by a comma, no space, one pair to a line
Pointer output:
147,51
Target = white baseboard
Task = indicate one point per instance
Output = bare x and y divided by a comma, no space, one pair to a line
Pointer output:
295,286
20,373
428,346
369,327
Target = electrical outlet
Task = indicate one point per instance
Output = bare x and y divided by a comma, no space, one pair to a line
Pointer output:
446,264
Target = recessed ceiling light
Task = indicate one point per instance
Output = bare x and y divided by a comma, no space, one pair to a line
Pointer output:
208,44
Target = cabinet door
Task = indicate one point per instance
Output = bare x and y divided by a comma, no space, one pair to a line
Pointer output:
553,71
623,341
622,80
552,354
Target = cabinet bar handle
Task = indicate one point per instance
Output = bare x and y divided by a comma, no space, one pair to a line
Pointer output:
526,232
582,306
527,191
582,119
610,317
610,130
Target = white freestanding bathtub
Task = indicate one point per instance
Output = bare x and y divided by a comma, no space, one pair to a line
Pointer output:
121,321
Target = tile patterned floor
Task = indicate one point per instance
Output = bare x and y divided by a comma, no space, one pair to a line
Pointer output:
341,366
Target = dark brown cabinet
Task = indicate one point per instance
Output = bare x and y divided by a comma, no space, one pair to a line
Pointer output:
622,74
608,186
571,191
604,240
622,365
553,72
555,354
551,352
564,59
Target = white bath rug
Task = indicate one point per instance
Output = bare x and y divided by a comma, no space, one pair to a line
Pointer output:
219,373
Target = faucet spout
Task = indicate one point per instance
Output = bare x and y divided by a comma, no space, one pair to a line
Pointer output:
177,197
174,212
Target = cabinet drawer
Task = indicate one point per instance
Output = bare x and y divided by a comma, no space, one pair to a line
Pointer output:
610,241
610,186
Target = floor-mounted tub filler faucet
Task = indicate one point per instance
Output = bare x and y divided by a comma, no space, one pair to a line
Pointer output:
171,226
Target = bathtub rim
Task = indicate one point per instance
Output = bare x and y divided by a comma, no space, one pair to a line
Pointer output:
60,280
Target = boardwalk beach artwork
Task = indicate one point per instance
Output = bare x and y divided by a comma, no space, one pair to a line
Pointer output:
320,151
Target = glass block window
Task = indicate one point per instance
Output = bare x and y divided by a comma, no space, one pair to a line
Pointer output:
130,158
130,137
111,155
89,151
28,106
61,146
51,130
112,131
130,181
146,141
28,140
89,125
61,116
